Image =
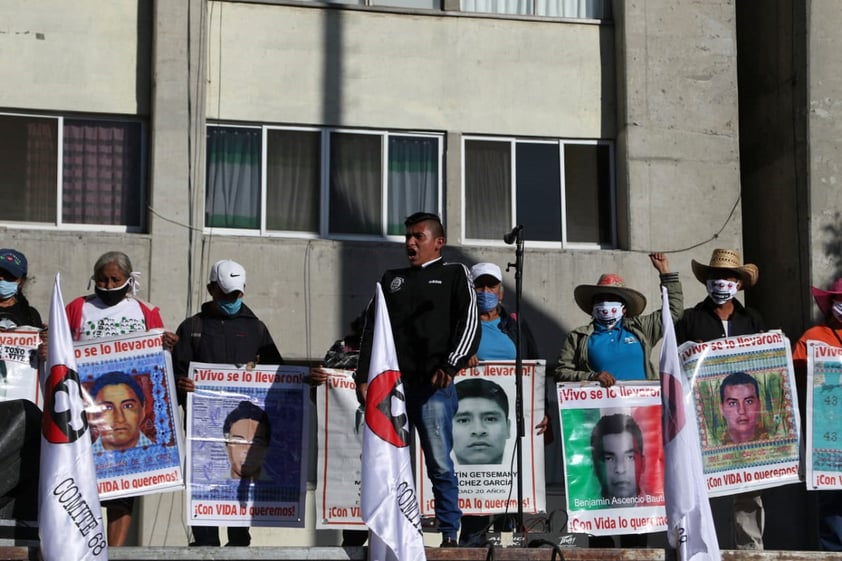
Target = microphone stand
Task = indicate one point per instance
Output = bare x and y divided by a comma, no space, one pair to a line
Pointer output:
516,237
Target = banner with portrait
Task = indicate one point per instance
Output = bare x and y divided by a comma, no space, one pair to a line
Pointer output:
131,408
613,457
824,416
744,393
341,419
246,445
19,365
484,436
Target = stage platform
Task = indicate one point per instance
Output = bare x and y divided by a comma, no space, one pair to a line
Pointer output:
433,554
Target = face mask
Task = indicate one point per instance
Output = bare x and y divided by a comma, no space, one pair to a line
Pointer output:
8,289
837,311
608,313
113,296
230,308
486,301
720,291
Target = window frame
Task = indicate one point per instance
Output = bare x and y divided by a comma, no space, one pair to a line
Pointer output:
59,223
561,143
444,7
324,182
532,15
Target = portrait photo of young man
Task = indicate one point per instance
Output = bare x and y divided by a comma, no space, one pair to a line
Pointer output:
118,413
247,433
739,404
618,458
481,426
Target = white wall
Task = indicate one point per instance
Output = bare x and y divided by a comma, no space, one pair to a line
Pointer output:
74,56
671,108
825,131
436,72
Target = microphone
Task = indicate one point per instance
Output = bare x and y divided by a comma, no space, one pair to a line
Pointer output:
510,237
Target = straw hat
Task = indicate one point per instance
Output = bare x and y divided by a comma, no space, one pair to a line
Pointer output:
824,298
610,283
726,261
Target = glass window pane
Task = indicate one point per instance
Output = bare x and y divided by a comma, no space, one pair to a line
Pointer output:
293,165
539,191
513,7
587,193
591,9
488,173
413,179
233,177
356,179
417,4
28,168
102,173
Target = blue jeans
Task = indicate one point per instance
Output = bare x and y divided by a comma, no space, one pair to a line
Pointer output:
431,412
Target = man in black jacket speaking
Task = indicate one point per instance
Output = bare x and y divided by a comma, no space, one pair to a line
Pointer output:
433,311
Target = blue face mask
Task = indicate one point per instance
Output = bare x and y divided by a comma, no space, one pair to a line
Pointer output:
230,308
486,301
8,289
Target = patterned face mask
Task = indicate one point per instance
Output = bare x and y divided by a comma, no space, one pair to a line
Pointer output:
721,290
608,313
837,311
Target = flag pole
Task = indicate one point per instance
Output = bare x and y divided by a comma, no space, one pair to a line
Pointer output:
516,236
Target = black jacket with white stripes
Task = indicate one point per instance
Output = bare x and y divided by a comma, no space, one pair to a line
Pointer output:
434,319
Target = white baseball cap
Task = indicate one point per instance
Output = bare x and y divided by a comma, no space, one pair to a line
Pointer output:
481,269
229,276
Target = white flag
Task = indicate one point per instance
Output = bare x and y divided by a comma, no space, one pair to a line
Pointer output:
388,500
69,515
689,521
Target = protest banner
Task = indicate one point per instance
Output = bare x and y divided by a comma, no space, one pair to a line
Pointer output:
613,457
824,416
744,393
131,407
340,445
18,365
483,450
246,435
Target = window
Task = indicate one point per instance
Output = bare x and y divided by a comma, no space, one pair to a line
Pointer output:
574,9
589,9
561,191
70,171
337,183
412,4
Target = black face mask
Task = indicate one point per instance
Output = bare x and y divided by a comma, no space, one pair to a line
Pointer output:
113,296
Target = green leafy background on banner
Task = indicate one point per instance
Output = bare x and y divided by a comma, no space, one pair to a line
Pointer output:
775,419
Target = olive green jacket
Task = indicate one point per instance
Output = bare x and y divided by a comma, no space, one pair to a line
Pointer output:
573,358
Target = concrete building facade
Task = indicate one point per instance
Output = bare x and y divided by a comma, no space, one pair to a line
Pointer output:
609,130
612,93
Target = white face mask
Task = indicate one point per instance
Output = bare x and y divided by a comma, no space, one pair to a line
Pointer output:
720,291
837,311
607,313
